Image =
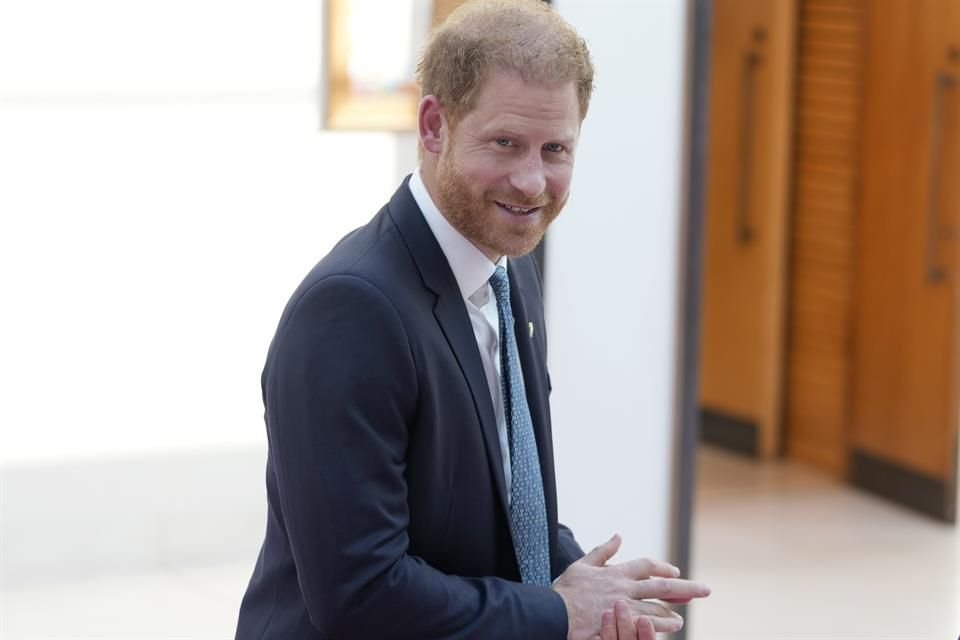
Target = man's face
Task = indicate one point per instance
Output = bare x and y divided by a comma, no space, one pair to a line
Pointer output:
504,173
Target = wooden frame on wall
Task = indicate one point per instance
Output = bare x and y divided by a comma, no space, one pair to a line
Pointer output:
371,54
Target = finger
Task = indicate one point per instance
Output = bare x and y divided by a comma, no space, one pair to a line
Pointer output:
625,628
677,600
651,608
645,568
668,589
608,627
663,619
645,629
666,625
600,555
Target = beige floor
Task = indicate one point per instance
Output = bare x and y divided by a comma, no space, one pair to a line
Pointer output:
789,554
792,554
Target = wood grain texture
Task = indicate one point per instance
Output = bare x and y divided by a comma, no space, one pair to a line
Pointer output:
819,369
744,281
906,349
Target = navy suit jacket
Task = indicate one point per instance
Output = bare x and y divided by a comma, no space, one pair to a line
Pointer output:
387,502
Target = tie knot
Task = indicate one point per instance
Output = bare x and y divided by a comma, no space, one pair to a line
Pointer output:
501,287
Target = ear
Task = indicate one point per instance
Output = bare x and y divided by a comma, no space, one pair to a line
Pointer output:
433,125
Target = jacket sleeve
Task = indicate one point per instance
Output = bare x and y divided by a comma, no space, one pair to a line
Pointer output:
568,550
341,391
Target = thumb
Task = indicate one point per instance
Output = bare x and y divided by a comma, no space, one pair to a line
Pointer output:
602,554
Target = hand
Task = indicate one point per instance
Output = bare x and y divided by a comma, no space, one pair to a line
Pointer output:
618,625
589,587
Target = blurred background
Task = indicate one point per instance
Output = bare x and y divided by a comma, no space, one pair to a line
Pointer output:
170,171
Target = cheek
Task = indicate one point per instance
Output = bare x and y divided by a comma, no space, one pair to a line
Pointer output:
484,176
558,180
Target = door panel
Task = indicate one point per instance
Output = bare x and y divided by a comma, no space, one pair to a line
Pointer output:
747,194
905,401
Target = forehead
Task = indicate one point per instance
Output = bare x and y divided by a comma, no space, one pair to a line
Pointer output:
506,101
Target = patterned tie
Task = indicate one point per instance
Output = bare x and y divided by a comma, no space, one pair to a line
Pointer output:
528,511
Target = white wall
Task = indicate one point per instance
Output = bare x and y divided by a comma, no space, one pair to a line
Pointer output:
164,188
612,280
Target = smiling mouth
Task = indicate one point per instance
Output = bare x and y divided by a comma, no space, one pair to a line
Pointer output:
517,211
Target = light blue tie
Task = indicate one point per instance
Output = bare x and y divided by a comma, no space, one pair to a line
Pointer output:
528,511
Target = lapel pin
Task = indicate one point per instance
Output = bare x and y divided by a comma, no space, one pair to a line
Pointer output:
530,327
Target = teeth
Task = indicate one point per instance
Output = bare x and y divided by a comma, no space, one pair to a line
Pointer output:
516,209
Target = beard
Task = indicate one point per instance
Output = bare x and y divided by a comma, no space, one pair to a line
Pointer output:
478,217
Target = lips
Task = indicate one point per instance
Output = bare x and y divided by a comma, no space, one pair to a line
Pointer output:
517,211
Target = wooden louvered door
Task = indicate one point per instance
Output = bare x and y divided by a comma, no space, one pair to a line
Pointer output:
747,193
907,351
823,232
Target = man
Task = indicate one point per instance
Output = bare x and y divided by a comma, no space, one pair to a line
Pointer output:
410,472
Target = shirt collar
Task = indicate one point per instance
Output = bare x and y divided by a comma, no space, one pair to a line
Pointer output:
471,268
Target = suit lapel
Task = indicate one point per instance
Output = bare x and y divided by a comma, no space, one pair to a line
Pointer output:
451,315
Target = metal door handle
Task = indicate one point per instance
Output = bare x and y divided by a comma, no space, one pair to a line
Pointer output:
744,230
936,230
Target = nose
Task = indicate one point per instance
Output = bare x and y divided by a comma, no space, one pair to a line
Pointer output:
528,177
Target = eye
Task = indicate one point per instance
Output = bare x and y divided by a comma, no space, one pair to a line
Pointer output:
554,147
504,142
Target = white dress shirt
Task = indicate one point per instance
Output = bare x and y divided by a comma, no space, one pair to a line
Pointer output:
472,269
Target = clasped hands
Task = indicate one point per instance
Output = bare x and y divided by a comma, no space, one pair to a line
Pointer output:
615,602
